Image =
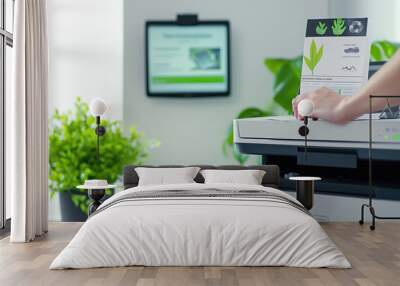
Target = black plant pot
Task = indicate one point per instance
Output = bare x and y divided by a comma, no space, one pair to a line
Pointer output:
69,212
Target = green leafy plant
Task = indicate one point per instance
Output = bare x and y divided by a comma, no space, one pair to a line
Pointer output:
72,151
286,85
338,27
382,50
321,28
315,56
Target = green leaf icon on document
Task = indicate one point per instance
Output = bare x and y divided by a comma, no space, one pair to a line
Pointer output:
321,28
315,56
338,27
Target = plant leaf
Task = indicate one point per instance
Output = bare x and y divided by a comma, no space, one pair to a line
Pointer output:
228,142
287,83
376,54
319,54
274,65
309,63
251,112
313,51
382,50
315,56
321,28
388,48
338,27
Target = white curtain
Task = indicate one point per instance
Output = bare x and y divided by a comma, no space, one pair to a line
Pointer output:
28,122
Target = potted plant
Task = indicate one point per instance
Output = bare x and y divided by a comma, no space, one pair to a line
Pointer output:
286,85
72,156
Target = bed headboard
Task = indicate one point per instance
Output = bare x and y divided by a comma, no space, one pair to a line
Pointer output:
270,179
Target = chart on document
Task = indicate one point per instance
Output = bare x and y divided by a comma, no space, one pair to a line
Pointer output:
336,55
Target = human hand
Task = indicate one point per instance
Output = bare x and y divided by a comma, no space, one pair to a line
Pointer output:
328,105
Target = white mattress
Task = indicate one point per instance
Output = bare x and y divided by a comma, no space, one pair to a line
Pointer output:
200,231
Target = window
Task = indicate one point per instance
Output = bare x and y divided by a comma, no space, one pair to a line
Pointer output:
6,43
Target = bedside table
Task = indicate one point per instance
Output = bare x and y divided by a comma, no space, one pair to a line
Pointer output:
305,190
96,191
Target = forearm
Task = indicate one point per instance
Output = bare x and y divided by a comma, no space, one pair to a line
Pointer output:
385,82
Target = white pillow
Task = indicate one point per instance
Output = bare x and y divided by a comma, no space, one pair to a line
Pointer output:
248,177
166,176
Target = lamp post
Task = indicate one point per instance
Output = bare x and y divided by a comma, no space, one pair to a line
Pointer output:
305,109
305,185
98,108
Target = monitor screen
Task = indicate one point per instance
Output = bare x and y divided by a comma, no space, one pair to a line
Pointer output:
187,60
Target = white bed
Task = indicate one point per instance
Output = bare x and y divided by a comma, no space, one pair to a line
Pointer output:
207,230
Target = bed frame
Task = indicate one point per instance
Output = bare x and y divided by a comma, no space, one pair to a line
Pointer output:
270,179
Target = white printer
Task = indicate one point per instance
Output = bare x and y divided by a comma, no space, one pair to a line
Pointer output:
337,153
284,130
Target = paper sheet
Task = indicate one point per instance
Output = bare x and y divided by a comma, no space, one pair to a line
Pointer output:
336,55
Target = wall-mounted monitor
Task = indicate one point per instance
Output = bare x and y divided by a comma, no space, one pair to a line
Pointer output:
187,59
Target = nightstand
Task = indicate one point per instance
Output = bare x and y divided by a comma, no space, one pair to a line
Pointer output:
305,190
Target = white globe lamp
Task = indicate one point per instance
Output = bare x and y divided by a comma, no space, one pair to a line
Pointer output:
98,107
305,107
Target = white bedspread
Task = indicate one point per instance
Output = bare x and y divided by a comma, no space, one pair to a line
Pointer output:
200,231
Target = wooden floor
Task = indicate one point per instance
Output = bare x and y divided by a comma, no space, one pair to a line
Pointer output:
375,257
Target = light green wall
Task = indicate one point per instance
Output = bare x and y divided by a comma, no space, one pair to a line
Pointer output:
192,130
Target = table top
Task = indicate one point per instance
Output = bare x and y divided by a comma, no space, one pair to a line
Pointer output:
305,178
86,187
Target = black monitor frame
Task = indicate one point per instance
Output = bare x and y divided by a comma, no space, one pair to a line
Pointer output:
187,21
